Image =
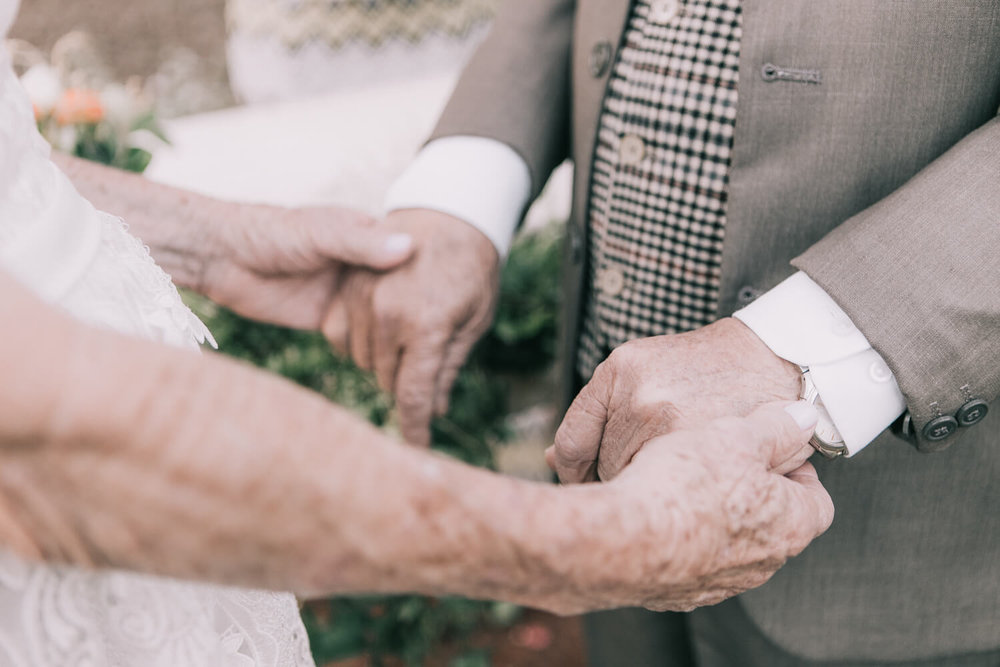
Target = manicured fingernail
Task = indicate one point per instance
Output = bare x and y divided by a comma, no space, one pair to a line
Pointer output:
398,243
803,413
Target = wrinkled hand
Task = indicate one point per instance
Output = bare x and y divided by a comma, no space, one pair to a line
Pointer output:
700,515
287,266
415,326
652,386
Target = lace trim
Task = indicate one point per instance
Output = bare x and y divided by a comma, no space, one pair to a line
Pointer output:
125,290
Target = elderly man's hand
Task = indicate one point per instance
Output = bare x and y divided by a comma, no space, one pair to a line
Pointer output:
699,516
415,326
652,386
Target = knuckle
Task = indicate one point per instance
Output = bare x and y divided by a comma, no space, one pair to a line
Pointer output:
568,452
653,410
411,400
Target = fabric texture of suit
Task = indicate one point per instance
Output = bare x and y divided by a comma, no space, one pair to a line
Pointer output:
882,183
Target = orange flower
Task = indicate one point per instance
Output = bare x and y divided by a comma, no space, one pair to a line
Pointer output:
79,106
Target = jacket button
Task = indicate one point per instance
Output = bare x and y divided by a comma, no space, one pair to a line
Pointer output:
940,428
972,412
747,295
575,244
600,59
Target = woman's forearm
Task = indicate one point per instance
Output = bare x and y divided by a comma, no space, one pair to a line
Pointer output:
177,225
122,453
193,466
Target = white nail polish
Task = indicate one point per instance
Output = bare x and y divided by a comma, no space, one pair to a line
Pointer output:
803,413
398,243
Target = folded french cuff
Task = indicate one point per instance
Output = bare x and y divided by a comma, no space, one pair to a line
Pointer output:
800,323
481,181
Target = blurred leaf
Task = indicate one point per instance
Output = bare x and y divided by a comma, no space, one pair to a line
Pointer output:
504,614
148,122
476,658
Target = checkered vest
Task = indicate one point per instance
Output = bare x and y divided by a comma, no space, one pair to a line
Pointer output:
660,175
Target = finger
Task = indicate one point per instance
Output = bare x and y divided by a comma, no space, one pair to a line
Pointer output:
360,316
550,457
334,326
779,433
387,350
365,245
811,499
454,358
418,370
804,510
578,440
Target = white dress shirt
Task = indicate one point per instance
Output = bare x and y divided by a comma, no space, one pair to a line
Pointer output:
487,184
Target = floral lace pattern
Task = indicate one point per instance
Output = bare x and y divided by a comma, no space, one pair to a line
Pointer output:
66,617
57,616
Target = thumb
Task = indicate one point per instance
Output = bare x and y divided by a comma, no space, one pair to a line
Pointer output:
578,440
366,245
780,432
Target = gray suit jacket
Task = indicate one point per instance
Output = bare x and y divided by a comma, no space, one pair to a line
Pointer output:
883,184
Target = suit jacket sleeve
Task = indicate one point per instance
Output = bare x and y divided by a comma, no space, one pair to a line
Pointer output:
919,274
516,88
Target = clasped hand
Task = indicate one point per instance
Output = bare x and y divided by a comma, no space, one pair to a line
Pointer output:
701,504
701,514
653,386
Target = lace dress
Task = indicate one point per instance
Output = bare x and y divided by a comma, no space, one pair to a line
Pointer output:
53,241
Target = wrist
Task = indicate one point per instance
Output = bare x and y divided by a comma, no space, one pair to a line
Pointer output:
223,231
786,375
601,536
456,233
187,241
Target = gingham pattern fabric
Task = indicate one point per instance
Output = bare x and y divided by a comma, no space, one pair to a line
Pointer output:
660,176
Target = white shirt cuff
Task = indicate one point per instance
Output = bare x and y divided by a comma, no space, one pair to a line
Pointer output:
800,323
478,180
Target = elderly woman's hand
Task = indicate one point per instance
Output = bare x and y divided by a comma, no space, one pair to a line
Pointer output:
279,265
698,516
287,266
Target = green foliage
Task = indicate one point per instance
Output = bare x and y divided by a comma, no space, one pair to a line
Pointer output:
102,143
406,628
524,331
522,339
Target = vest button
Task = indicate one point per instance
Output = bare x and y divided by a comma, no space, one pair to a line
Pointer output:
663,11
632,150
610,281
